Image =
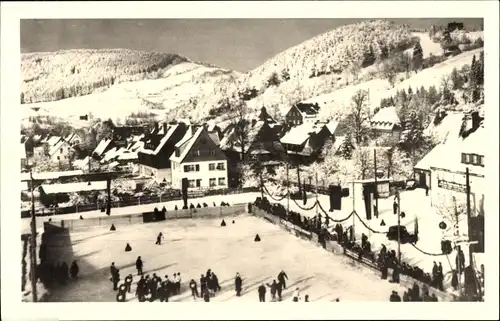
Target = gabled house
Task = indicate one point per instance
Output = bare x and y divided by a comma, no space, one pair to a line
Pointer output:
256,139
303,143
386,123
73,139
154,157
302,113
197,158
104,145
61,152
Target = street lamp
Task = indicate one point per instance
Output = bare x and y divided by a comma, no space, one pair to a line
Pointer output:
399,226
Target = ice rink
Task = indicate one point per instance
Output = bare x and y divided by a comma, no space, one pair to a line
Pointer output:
191,246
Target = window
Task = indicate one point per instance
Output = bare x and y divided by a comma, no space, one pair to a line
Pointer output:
464,158
481,160
212,152
58,158
222,181
61,150
211,167
191,168
212,182
220,166
198,183
177,152
191,182
474,159
197,152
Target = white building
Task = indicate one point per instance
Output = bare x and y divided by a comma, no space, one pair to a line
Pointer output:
61,152
198,158
447,171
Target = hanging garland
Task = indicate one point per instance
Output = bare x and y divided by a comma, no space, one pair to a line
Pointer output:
369,228
332,219
303,208
427,253
269,194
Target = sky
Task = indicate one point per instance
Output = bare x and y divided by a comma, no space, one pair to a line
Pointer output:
239,44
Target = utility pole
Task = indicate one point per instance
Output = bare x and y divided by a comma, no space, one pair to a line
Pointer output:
288,192
399,227
467,191
317,207
354,210
376,184
33,241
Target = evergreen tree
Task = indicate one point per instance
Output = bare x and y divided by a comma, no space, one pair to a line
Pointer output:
368,57
410,91
480,69
418,57
432,95
456,79
347,147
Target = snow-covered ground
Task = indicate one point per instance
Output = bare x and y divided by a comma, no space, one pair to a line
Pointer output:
380,88
413,203
193,246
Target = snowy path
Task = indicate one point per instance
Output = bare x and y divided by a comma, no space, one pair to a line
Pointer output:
193,246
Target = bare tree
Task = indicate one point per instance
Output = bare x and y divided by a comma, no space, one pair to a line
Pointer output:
362,162
359,114
241,129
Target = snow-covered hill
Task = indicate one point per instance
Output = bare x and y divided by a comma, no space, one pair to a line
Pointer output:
326,69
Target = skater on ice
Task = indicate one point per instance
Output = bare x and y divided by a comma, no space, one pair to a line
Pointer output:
139,265
238,282
158,239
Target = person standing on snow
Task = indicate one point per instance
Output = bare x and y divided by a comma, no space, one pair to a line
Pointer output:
238,282
138,265
274,289
262,293
281,278
194,288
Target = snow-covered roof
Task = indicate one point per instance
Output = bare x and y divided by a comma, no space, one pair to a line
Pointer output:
332,126
339,140
449,155
103,144
53,140
50,175
164,139
73,187
299,134
127,155
113,165
188,142
81,163
474,143
215,138
385,119
448,129
60,144
437,152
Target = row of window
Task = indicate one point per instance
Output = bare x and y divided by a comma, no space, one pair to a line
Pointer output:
212,182
197,152
211,166
473,159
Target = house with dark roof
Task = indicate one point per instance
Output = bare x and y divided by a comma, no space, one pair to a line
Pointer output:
303,143
386,123
302,113
154,156
197,158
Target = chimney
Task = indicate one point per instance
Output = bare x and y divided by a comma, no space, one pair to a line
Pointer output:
165,128
476,120
156,126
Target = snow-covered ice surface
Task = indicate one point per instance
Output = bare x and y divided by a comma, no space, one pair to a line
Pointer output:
413,203
193,246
